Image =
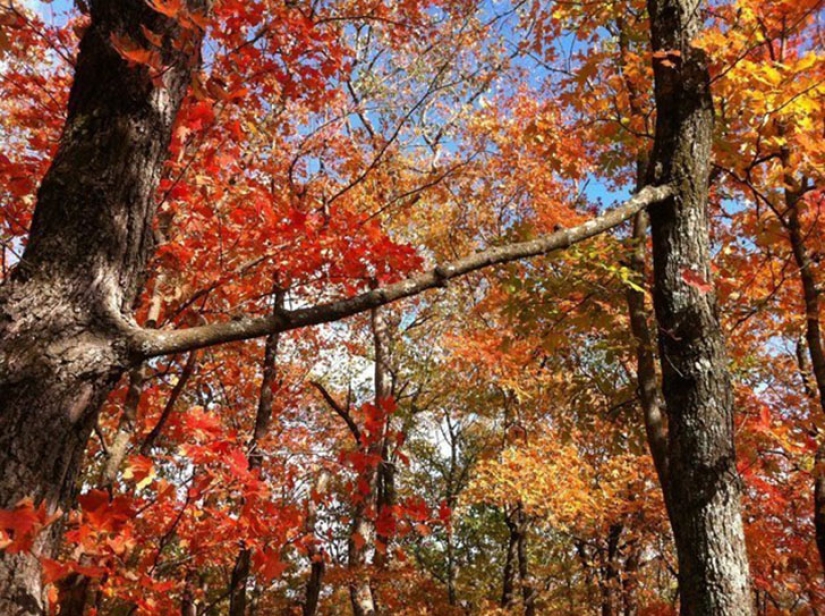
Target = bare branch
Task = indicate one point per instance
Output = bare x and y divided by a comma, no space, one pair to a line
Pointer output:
188,371
146,343
342,412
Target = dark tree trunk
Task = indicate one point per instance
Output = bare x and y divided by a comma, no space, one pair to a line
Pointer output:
528,587
68,302
314,584
813,342
72,594
703,479
508,586
263,420
316,556
630,582
188,605
610,583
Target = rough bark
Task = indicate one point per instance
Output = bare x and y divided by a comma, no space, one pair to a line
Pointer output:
703,479
64,311
66,334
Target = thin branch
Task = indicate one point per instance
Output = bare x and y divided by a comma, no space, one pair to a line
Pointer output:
188,371
146,343
342,412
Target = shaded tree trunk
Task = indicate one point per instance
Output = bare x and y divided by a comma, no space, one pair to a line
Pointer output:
528,588
610,582
263,420
188,606
703,479
316,556
813,338
508,587
630,582
64,309
650,395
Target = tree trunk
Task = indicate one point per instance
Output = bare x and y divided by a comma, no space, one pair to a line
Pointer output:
630,582
610,583
316,556
813,342
703,479
363,536
508,587
385,498
263,420
188,605
68,301
528,587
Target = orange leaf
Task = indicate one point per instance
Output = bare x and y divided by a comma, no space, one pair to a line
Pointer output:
170,8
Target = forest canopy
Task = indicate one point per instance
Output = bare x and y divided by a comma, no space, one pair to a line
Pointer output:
448,307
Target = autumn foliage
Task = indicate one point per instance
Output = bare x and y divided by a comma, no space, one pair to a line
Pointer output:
328,148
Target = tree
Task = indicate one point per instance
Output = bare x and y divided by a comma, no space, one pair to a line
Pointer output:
702,474
179,152
66,337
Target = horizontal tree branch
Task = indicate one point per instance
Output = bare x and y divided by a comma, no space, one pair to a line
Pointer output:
145,343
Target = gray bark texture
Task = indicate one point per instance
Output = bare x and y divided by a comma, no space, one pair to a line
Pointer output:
703,482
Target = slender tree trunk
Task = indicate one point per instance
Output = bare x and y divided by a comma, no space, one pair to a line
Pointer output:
263,420
177,391
630,582
454,486
451,568
703,479
363,537
528,587
610,583
813,342
316,556
650,395
188,606
385,498
65,306
508,589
